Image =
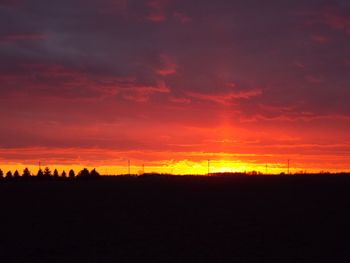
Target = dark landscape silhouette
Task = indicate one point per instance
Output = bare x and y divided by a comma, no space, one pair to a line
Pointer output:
94,174
48,175
167,218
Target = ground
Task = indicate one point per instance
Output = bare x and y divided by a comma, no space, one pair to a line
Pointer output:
176,219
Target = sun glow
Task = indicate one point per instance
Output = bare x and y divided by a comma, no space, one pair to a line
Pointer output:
181,167
180,163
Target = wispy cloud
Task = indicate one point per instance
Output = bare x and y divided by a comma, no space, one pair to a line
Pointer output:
226,98
23,37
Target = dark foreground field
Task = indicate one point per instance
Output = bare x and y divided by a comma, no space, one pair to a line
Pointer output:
251,219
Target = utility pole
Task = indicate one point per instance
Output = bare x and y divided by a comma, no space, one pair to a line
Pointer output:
128,167
143,169
208,167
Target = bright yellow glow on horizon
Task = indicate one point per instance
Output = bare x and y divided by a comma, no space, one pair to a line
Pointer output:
178,168
110,162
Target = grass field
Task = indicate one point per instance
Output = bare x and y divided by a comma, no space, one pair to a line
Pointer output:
176,219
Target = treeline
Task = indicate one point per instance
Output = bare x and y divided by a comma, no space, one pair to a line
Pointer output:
47,174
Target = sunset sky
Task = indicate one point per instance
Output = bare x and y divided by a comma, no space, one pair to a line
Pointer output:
170,84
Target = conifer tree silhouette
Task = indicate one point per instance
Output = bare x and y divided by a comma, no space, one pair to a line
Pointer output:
47,172
16,174
55,173
1,174
26,173
40,174
8,175
64,175
71,174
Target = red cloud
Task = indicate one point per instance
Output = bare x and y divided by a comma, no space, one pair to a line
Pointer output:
335,18
313,79
23,37
50,80
156,17
289,113
184,19
10,2
157,11
320,39
168,66
142,93
226,98
180,100
157,4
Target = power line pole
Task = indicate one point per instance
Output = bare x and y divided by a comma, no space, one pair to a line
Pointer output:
128,167
208,167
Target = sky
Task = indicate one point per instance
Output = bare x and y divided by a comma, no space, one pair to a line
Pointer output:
171,84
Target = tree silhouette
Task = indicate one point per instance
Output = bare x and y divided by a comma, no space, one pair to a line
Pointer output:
26,173
64,175
84,173
8,175
16,174
94,174
40,174
71,174
55,173
1,174
47,172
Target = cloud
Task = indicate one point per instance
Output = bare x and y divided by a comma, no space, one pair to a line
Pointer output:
10,2
23,37
45,80
155,68
167,67
156,17
180,100
334,17
142,93
320,39
156,10
226,98
313,79
182,18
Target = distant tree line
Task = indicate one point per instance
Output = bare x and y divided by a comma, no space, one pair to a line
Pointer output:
47,174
